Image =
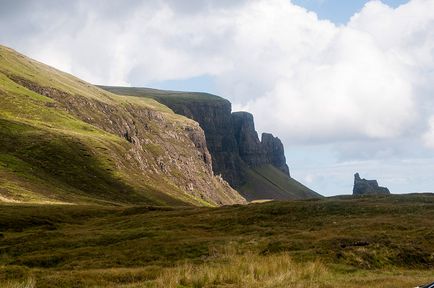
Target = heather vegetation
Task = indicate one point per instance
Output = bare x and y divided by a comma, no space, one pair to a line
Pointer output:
376,241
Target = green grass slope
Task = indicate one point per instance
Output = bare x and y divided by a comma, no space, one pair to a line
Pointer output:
65,141
267,183
331,242
176,97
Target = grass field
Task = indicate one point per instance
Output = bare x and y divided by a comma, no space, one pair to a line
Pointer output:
334,242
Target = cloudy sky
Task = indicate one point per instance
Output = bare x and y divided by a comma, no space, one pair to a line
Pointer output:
347,85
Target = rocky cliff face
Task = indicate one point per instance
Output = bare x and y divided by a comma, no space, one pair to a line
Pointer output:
215,119
249,146
254,152
256,168
231,138
274,152
368,187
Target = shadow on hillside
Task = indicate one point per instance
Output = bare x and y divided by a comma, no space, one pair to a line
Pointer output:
64,162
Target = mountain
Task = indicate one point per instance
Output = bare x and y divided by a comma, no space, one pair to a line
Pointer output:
63,140
256,168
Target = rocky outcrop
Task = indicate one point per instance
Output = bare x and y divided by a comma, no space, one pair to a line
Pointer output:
368,187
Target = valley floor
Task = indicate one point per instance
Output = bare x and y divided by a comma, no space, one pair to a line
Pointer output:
334,242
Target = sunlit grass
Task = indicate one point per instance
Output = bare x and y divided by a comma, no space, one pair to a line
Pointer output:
246,270
225,270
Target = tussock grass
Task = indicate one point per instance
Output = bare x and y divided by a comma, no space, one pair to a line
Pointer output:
29,283
227,270
248,270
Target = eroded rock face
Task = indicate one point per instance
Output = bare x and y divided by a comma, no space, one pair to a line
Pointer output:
274,152
215,119
368,187
231,138
249,146
255,152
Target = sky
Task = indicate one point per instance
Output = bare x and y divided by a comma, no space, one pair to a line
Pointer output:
348,86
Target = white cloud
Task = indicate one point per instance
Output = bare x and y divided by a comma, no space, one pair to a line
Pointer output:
333,83
428,136
305,79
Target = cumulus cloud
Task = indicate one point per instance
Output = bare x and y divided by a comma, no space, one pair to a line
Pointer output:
305,79
348,82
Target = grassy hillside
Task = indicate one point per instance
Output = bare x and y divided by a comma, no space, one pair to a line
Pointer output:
65,141
335,242
268,182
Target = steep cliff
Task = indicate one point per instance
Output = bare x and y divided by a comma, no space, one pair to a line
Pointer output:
237,153
274,152
249,146
214,116
254,152
66,141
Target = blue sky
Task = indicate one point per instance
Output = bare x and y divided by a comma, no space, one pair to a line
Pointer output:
339,11
345,94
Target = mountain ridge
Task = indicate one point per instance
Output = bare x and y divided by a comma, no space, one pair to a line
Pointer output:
67,141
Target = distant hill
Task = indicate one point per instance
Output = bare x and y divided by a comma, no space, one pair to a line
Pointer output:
256,168
63,140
